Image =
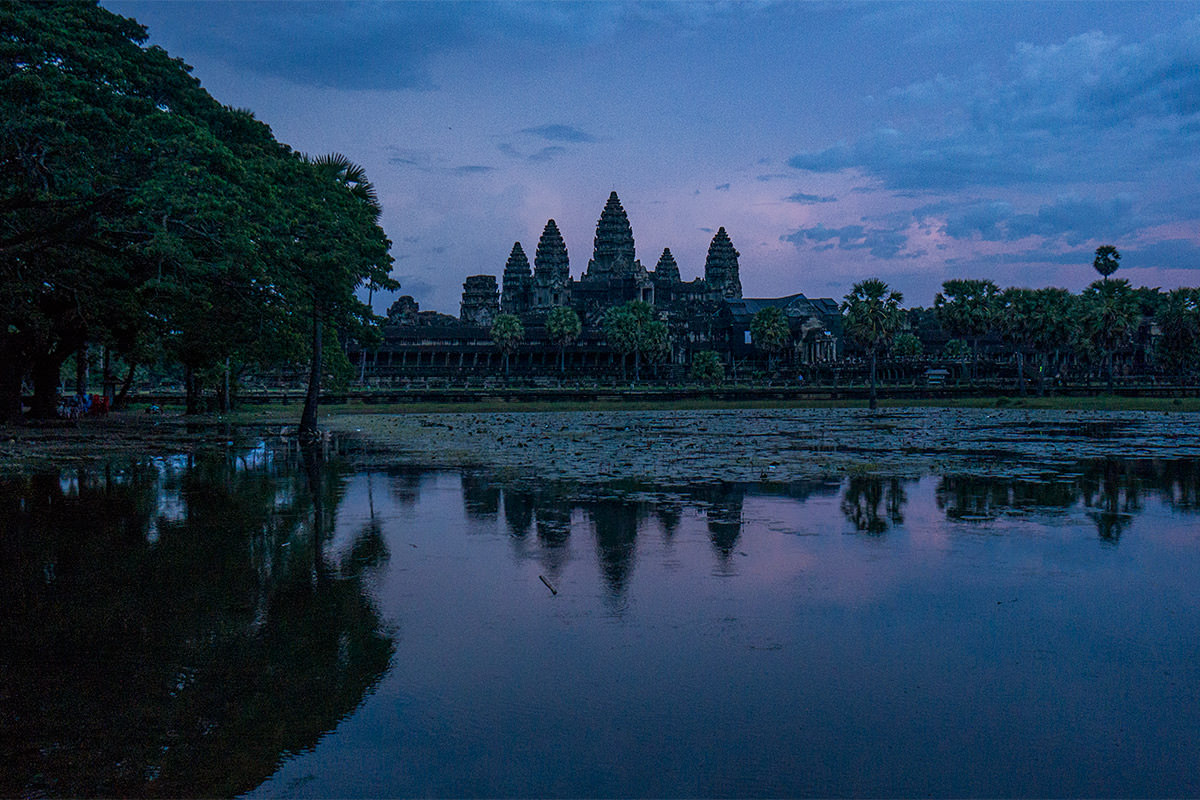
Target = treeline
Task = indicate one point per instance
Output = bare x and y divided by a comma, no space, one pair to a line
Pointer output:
1051,329
140,215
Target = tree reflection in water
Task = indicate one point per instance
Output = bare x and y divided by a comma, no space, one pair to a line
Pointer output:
863,498
1111,490
175,627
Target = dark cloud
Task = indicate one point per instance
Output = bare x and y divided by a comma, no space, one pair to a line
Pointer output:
1091,108
724,187
473,169
1070,219
547,153
560,133
809,199
881,243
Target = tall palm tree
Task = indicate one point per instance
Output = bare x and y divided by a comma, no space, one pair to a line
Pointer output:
872,316
1110,317
338,170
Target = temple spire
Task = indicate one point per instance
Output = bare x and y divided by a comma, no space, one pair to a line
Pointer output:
721,267
667,271
613,252
550,262
517,277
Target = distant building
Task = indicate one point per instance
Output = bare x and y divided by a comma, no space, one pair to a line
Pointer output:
707,313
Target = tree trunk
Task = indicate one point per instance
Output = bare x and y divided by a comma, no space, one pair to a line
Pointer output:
191,390
308,418
81,370
874,401
1021,372
562,358
122,398
1108,370
45,387
10,392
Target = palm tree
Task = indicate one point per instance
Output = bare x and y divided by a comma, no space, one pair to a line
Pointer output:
1110,315
1107,260
564,327
872,317
1016,320
337,169
1055,319
967,308
770,331
507,333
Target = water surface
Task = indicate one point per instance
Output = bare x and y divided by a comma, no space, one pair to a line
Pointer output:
256,621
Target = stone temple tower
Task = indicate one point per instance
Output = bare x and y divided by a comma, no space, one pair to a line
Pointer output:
517,282
613,253
551,271
721,267
480,301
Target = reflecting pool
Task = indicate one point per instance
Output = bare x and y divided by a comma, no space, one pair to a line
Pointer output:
268,621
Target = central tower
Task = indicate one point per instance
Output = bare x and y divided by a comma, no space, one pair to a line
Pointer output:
612,254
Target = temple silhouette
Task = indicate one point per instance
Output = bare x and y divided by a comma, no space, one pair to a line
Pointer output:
707,313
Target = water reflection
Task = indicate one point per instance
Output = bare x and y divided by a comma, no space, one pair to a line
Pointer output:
1112,491
176,626
179,626
873,504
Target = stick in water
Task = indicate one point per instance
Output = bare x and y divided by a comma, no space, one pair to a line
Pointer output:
548,586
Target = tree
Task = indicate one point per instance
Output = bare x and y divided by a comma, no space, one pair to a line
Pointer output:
563,327
872,315
1107,260
707,367
1018,326
340,247
966,309
507,333
908,345
1054,321
1110,315
633,329
1178,347
770,332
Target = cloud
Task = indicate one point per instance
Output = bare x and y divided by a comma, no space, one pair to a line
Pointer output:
810,199
881,243
1091,108
1071,219
724,187
560,133
473,169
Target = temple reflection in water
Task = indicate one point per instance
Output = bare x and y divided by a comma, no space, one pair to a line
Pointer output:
183,625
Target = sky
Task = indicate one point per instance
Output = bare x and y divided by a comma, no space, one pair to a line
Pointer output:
913,142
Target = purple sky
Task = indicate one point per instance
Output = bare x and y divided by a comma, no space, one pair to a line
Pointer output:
912,142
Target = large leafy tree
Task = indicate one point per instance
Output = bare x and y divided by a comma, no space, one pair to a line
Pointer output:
338,246
634,329
871,317
967,309
770,332
1110,315
563,326
138,209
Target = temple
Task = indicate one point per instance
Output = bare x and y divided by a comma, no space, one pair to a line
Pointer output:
707,313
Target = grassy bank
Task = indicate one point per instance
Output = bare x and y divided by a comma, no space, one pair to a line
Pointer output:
291,412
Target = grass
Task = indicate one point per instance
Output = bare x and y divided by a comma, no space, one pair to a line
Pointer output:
290,412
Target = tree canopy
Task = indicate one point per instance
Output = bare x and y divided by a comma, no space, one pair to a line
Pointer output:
136,208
